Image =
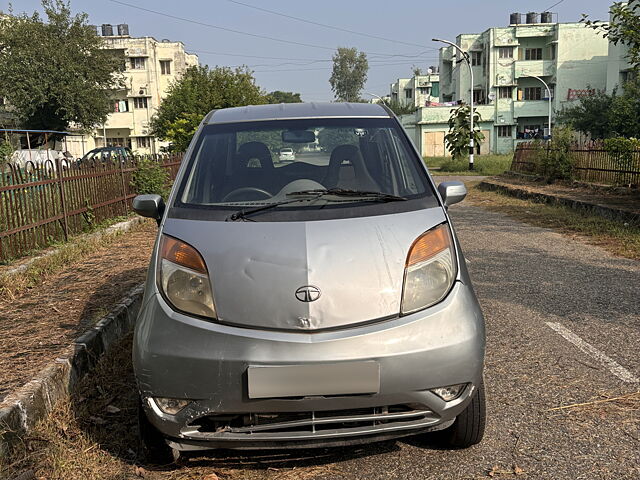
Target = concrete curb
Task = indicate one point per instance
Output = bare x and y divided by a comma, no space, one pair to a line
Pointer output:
20,410
633,218
118,227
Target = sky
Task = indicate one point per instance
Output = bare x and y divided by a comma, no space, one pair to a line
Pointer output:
301,62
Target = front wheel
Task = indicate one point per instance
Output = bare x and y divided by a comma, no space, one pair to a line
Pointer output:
153,447
468,428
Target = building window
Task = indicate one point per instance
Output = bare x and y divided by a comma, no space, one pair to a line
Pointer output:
140,102
423,90
408,93
533,93
552,52
504,131
505,52
478,97
165,67
119,142
476,59
143,142
505,92
533,54
136,63
120,106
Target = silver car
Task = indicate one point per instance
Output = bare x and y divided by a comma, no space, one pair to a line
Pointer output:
315,303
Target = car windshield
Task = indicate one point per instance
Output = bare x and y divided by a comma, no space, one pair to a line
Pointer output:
240,164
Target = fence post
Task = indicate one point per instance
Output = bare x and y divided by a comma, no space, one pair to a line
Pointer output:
124,186
65,224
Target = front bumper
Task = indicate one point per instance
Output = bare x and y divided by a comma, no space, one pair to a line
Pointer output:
177,356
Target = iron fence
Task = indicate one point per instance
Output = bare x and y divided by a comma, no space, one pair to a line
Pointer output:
44,203
589,163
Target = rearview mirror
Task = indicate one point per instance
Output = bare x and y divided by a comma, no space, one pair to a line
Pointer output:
298,136
452,192
151,206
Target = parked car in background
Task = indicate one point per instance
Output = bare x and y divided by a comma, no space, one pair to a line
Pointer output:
308,305
107,153
287,154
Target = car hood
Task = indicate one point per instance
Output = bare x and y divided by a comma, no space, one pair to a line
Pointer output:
357,264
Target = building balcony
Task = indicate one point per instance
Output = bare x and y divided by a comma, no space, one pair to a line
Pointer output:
539,68
531,108
120,120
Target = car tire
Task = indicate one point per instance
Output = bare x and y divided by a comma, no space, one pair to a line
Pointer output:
468,427
152,444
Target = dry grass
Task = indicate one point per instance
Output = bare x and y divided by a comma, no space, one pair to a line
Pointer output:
614,236
64,255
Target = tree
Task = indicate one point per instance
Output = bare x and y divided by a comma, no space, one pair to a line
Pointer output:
56,73
401,108
623,27
349,74
195,94
604,116
283,97
457,139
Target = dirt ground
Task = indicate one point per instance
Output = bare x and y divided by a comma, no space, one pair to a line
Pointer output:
40,321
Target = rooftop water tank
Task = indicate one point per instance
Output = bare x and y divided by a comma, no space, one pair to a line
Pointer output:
515,19
107,30
546,17
123,29
532,17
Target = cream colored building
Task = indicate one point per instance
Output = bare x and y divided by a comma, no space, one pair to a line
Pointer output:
151,66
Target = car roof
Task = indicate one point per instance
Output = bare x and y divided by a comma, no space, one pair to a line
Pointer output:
285,111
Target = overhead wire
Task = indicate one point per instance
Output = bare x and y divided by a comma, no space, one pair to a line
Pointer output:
324,25
240,32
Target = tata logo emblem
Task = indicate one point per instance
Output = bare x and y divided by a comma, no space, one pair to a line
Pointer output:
308,293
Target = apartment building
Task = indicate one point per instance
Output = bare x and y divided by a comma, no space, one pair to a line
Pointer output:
514,105
419,90
151,66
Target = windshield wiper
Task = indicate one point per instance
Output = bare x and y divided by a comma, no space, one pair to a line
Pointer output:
242,214
344,192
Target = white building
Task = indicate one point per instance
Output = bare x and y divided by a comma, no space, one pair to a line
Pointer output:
418,90
151,66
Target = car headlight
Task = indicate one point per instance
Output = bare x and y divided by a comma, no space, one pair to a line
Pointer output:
430,270
183,278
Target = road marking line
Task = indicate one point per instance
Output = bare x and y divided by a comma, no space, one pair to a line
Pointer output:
613,366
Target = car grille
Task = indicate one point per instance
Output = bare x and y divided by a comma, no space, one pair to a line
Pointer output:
304,423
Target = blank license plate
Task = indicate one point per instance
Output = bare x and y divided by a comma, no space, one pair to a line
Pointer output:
308,380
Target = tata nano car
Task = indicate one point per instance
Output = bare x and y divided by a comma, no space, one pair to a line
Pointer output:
315,303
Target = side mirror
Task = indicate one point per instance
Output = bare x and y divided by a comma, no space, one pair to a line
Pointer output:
151,206
452,192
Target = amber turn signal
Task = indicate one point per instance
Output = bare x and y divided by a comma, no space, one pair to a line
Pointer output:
429,244
182,254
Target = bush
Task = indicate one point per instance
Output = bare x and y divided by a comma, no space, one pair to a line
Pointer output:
151,177
555,162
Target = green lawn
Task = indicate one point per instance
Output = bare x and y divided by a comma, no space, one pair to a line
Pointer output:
483,165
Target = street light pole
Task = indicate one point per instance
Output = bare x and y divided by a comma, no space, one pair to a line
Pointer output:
548,96
465,55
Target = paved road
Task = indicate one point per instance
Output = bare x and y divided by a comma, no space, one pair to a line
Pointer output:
540,292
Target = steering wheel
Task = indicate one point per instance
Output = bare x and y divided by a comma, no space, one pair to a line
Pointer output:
239,191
